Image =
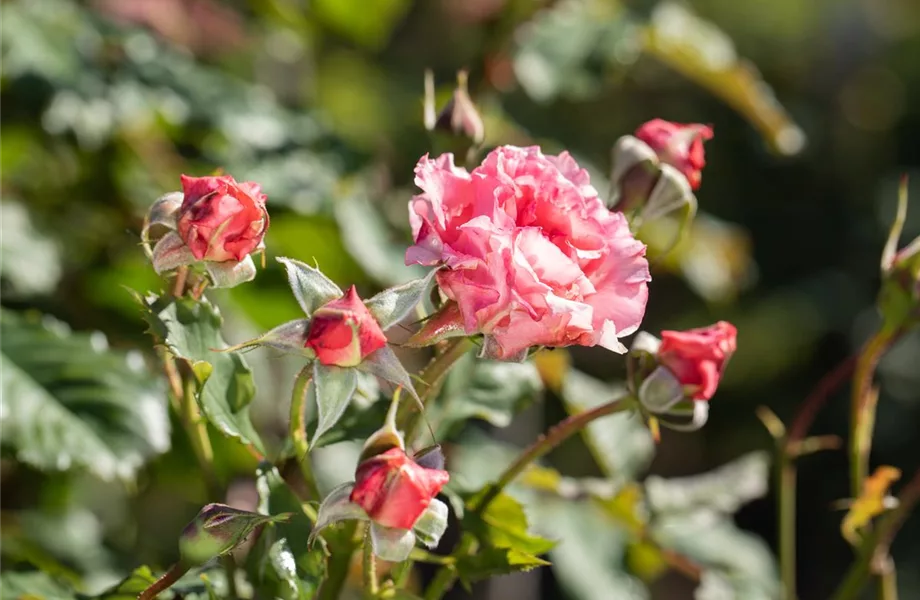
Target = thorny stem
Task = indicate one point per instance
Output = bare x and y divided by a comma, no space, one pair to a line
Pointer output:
874,548
789,446
197,431
339,565
887,580
546,442
432,378
370,566
168,578
298,431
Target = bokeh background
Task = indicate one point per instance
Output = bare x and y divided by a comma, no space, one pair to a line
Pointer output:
816,111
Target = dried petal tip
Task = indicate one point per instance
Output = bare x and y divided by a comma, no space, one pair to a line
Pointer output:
218,529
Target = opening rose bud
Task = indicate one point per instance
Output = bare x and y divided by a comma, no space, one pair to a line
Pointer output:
394,490
344,332
697,357
220,219
679,145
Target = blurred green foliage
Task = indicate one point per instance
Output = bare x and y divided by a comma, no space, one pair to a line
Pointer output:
106,102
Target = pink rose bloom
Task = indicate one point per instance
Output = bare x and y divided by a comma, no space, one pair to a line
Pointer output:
220,219
344,332
697,357
678,145
394,490
532,255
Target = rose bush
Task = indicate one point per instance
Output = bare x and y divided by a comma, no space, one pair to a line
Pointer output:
532,255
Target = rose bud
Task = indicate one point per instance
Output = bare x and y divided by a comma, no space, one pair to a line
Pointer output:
344,332
678,145
697,357
220,219
458,127
218,529
394,490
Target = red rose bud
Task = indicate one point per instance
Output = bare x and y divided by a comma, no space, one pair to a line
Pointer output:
697,357
394,490
678,145
343,332
220,219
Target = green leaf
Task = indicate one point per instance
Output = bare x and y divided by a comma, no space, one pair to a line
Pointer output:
620,443
588,560
712,540
191,331
129,587
331,389
70,402
503,525
723,489
692,516
282,565
492,562
28,260
34,585
492,391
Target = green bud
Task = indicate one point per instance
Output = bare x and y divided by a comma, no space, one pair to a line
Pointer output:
218,529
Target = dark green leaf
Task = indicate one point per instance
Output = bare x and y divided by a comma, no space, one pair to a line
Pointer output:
484,389
191,332
491,562
68,401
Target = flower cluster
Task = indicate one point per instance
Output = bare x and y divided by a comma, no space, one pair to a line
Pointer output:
524,253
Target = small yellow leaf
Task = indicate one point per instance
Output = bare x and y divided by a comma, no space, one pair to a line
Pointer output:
870,503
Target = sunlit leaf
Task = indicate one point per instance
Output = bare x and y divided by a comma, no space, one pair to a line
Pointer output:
871,502
503,524
493,562
70,402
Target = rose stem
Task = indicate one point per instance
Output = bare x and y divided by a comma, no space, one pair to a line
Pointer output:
298,430
432,378
168,578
